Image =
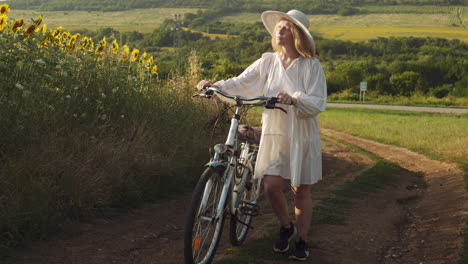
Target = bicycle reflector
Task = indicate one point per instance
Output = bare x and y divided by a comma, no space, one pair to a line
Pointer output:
220,148
196,244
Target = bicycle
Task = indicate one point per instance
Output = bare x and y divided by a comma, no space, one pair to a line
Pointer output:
226,187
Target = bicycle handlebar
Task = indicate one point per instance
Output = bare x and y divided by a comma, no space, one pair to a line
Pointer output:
269,102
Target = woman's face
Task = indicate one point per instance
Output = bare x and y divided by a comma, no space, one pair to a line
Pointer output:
283,33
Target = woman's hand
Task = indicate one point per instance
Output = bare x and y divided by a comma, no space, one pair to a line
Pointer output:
285,98
203,83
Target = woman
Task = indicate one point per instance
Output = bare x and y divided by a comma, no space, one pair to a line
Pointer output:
290,144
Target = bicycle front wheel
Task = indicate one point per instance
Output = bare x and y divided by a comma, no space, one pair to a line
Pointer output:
204,224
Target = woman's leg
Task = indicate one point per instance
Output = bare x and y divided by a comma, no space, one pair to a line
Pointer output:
303,209
273,186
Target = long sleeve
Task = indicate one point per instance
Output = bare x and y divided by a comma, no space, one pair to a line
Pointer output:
313,101
251,81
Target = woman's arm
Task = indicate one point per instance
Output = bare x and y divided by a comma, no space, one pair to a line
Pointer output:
314,100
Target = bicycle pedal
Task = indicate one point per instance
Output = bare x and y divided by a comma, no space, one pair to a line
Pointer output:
248,208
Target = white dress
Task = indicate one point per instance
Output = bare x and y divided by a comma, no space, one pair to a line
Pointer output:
290,143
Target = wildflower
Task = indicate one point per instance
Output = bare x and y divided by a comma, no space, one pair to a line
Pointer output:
67,96
143,58
19,86
115,47
4,9
17,25
135,54
155,69
125,52
30,30
3,21
103,95
39,61
103,116
102,47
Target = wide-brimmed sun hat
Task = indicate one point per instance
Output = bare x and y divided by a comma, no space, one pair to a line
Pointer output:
271,18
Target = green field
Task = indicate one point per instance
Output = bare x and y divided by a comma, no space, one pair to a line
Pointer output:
434,22
142,20
440,136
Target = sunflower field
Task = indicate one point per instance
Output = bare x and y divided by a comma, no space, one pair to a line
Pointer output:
87,127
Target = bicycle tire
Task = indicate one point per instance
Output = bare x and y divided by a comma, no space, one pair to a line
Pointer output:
200,241
238,231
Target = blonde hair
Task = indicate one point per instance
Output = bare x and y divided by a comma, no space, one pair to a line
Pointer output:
300,42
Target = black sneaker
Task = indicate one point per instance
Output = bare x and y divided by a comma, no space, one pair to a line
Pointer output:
286,235
301,253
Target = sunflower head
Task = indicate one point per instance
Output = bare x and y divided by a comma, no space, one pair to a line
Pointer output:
4,9
143,57
56,32
17,25
154,70
3,22
135,54
46,39
115,47
39,21
102,47
149,63
125,53
64,37
30,30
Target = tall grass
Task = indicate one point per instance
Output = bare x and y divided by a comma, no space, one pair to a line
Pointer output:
88,127
441,136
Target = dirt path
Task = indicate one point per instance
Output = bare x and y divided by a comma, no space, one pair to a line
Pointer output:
433,234
377,230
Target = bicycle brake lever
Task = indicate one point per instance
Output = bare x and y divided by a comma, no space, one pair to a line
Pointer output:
270,103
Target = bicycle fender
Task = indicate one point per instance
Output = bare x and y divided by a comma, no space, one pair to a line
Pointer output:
215,164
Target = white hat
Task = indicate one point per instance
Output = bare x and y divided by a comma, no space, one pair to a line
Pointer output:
271,18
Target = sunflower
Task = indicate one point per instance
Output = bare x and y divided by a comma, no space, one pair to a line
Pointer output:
83,43
46,39
3,22
39,21
150,63
155,69
143,57
102,47
4,9
56,32
30,30
135,54
72,43
125,52
115,47
44,28
17,25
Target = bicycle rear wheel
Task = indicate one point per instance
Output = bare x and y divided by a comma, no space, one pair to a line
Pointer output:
248,208
203,228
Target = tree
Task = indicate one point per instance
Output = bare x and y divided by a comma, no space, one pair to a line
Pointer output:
405,83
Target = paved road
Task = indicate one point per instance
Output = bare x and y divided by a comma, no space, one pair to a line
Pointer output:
405,108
